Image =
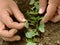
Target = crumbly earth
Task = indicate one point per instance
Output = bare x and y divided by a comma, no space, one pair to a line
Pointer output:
52,30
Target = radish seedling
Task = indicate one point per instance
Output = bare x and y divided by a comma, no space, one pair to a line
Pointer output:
33,25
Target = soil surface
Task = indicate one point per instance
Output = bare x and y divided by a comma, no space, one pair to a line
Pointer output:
52,30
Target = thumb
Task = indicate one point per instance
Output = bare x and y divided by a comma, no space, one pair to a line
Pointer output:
43,4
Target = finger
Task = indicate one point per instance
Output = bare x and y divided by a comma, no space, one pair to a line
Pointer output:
56,19
14,38
9,10
6,33
43,4
6,19
17,25
2,26
19,16
50,13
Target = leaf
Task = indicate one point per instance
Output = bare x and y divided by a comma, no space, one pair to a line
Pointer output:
26,24
28,14
41,27
36,4
32,2
33,18
32,23
30,42
35,39
31,34
33,12
32,8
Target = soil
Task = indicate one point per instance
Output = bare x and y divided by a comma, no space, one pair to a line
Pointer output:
52,30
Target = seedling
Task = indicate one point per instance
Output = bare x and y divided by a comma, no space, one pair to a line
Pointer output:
33,24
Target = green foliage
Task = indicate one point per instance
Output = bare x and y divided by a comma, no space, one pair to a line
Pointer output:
32,2
26,24
31,33
41,27
33,24
30,42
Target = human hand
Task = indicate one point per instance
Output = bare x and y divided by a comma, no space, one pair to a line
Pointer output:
7,8
53,6
8,35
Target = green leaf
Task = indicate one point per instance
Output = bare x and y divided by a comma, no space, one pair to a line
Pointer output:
36,4
32,23
41,27
36,39
31,34
30,42
32,8
32,2
26,24
33,18
33,12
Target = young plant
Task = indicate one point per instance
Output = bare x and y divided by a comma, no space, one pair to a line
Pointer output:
33,24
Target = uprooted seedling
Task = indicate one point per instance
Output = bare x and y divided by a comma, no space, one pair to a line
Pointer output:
33,25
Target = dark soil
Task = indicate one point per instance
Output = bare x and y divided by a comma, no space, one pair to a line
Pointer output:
50,37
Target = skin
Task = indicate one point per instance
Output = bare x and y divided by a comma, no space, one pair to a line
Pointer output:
53,10
7,8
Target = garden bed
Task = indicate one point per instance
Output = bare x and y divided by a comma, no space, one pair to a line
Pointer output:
52,30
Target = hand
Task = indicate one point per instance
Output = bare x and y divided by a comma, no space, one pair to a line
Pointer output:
51,10
7,8
8,35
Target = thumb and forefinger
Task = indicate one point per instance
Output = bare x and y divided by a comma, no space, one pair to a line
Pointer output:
17,13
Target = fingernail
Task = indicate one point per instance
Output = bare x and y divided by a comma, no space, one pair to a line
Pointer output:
24,20
40,11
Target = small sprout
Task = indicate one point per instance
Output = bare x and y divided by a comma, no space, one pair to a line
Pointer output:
36,4
30,42
41,27
31,34
32,24
32,2
26,24
33,8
